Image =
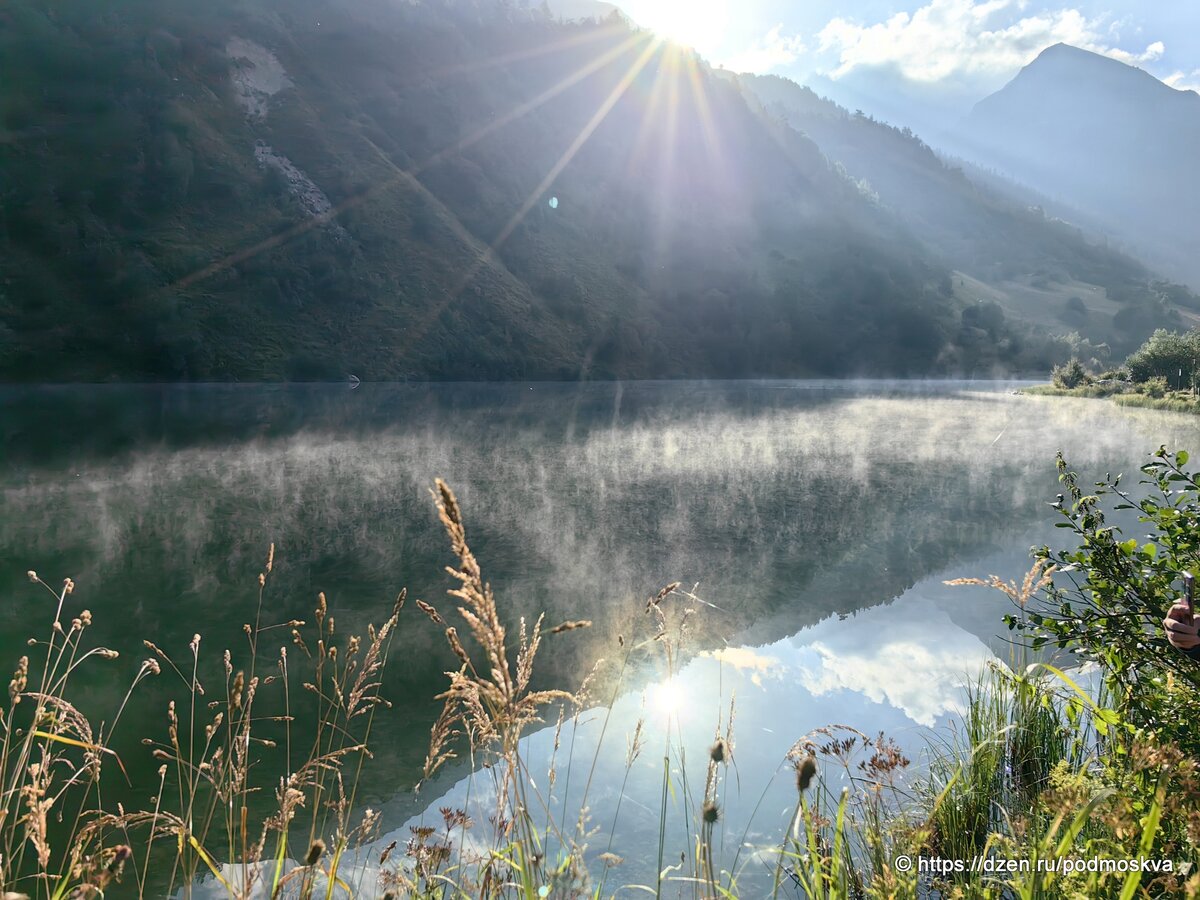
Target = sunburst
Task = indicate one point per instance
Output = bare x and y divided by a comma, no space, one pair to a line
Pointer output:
693,23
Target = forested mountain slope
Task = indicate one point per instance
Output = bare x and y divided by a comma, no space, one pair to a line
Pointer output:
1106,137
987,231
268,189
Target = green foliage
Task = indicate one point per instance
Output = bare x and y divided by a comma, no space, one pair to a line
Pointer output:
1174,402
1112,592
964,776
140,238
1087,389
1167,354
1154,387
1069,375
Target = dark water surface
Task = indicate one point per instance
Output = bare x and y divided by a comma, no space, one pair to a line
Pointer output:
820,517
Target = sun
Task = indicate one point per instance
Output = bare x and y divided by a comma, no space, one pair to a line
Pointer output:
695,23
667,698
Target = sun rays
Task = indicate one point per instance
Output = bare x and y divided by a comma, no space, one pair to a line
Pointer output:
671,86
536,194
495,124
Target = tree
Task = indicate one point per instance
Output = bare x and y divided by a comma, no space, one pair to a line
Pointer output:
1166,354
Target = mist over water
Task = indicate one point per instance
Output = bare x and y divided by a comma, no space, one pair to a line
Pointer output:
789,502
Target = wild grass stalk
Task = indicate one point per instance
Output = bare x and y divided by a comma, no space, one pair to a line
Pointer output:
1035,769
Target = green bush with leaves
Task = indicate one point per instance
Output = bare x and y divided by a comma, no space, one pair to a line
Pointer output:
1070,374
1155,388
1167,354
1111,592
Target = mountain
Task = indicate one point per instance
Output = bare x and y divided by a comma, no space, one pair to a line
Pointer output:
317,188
1001,243
1107,138
884,91
581,9
463,189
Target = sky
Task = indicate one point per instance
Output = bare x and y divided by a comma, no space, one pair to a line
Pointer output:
941,54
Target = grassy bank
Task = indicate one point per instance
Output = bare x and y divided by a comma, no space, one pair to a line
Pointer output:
1179,401
1122,395
1036,772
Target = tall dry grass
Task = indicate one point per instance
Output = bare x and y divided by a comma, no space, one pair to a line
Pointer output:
200,823
260,772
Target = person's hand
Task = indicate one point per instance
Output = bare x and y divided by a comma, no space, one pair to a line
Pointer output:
1182,630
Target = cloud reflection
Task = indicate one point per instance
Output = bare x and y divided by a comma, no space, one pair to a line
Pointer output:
908,654
750,660
897,668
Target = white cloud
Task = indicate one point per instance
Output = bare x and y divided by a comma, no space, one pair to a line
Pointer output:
1184,81
976,37
917,661
747,659
770,51
1152,52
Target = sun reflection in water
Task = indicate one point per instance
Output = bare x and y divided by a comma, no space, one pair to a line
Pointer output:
667,698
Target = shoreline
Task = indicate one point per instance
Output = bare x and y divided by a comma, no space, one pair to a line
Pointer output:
1175,401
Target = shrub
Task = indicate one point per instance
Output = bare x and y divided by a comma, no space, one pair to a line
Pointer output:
1155,387
1110,607
1069,375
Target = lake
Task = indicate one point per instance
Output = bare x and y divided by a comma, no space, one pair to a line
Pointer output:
817,520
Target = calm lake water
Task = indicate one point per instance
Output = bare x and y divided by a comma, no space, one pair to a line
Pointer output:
819,519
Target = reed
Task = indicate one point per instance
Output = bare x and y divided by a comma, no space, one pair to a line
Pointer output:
260,773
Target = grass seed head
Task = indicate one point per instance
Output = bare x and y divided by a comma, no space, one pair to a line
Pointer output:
806,771
456,645
571,626
20,679
434,616
719,751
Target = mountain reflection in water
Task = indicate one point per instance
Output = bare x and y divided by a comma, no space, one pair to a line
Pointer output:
791,503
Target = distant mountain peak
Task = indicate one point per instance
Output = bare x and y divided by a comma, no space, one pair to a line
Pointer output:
1106,137
1064,68
1061,54
1062,48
